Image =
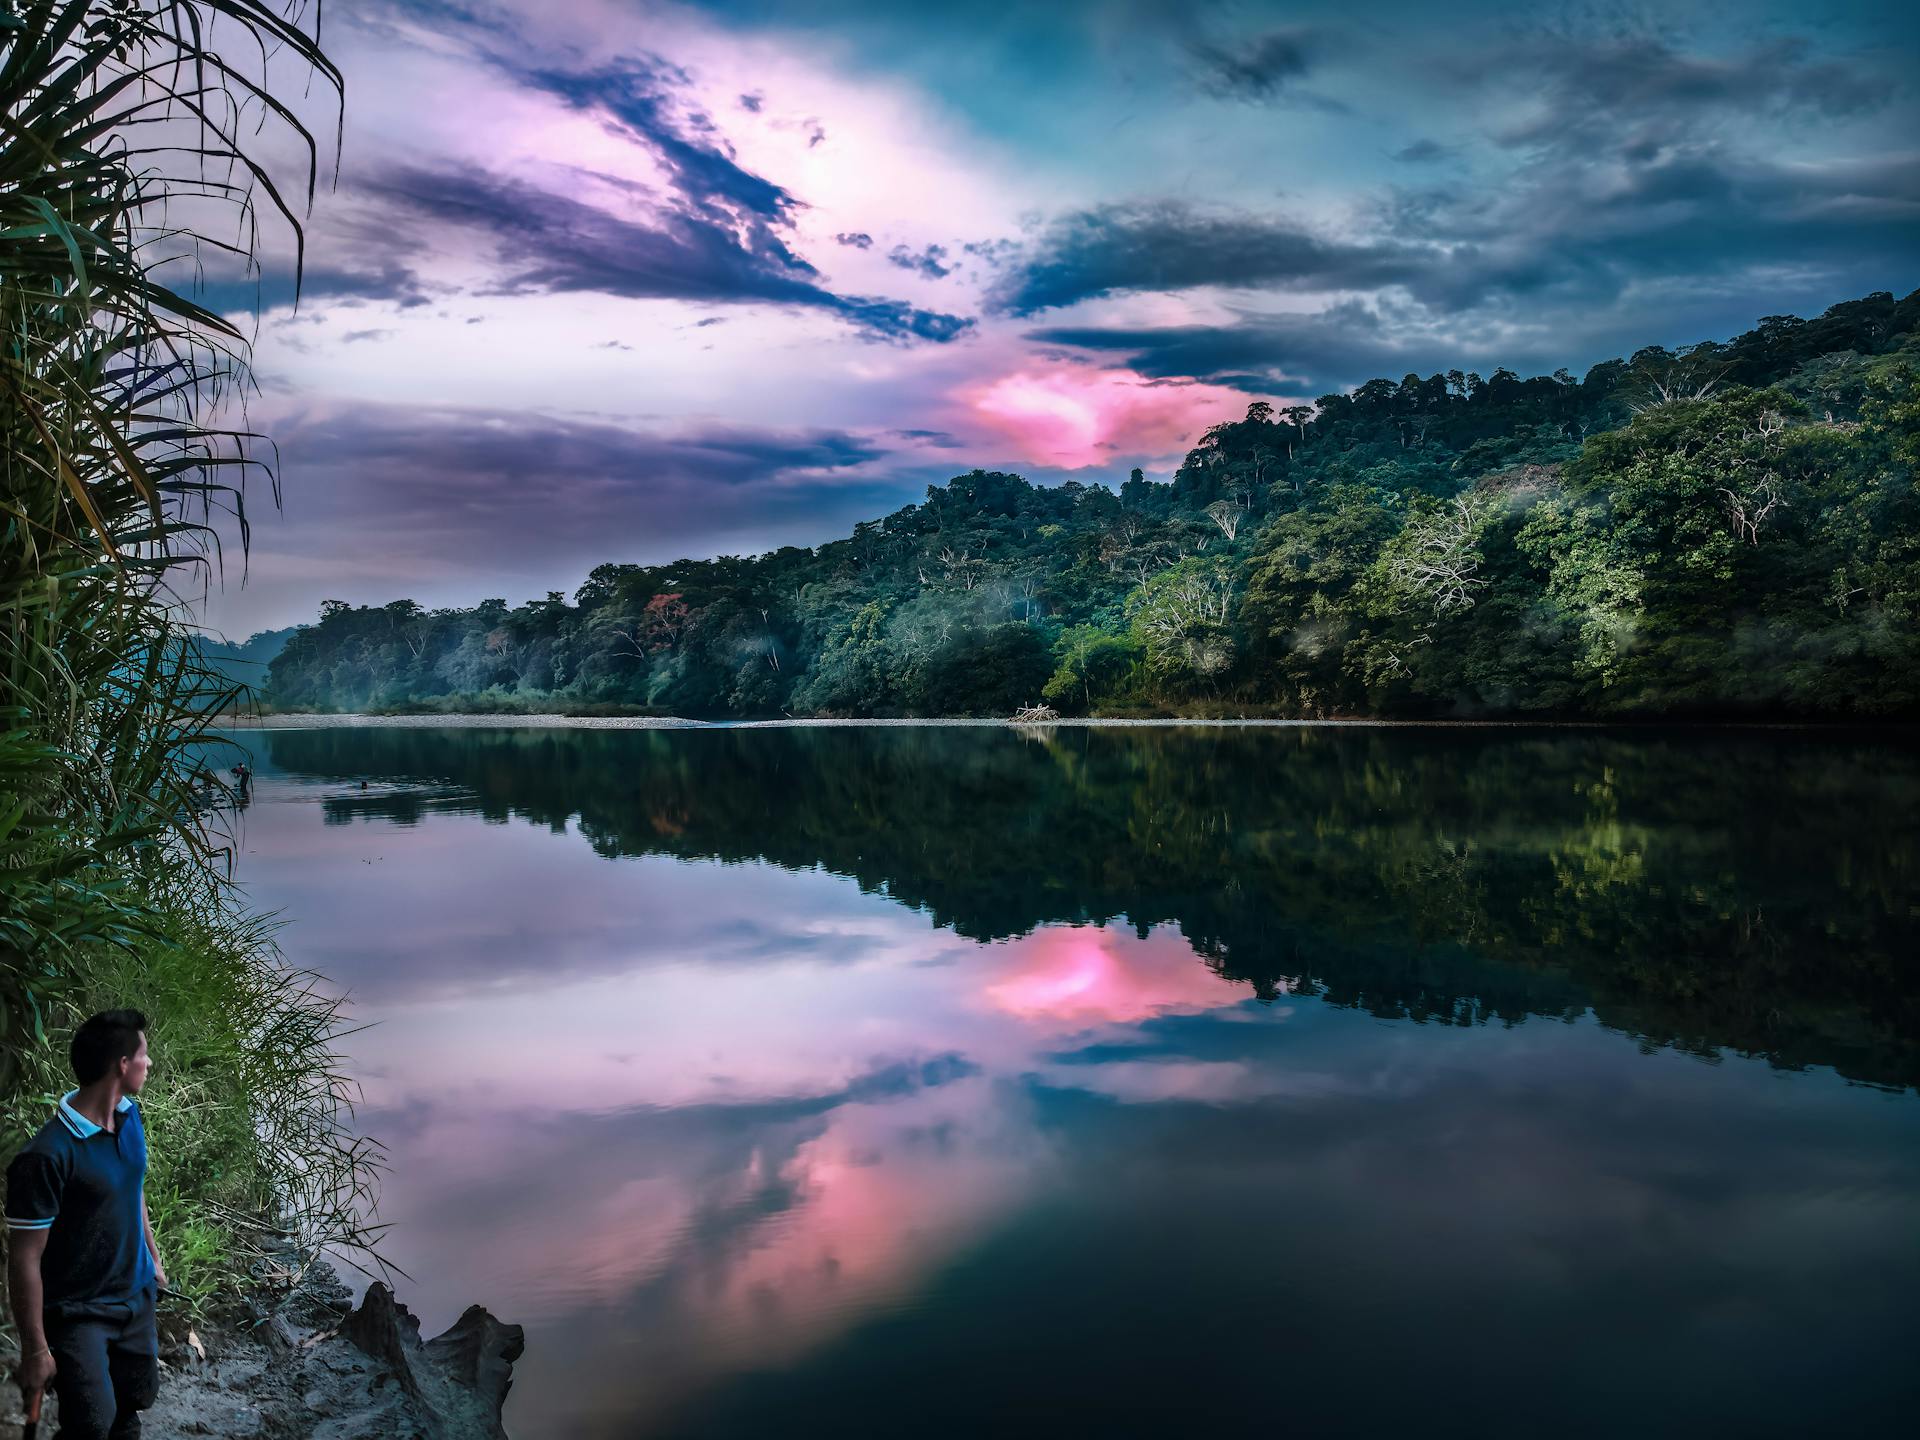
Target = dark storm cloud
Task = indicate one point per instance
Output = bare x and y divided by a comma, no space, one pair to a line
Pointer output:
480,444
1702,210
635,96
1263,68
343,285
388,280
1170,245
548,243
1634,204
1355,341
895,319
1310,353
938,439
719,204
1607,94
1633,176
929,262
1639,162
1707,214
1335,349
857,239
715,231
994,253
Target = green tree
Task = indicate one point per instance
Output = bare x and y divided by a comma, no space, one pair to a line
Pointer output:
1182,620
1090,661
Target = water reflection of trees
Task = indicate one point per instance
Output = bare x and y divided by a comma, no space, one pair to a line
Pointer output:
1754,891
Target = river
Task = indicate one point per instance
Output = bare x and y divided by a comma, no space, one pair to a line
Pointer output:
1121,1082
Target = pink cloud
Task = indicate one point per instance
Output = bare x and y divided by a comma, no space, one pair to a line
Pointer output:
1083,975
1071,416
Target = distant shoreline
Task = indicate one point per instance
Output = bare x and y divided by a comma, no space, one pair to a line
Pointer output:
555,721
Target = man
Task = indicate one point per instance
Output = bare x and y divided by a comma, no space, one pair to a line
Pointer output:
83,1270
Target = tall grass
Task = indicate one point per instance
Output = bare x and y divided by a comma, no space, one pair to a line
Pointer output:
125,171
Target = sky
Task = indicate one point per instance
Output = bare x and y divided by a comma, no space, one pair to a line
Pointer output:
596,281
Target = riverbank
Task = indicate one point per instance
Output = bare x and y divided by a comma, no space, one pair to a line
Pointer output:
322,721
318,1368
327,720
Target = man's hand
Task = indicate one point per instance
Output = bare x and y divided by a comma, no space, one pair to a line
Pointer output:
24,1290
35,1372
146,1230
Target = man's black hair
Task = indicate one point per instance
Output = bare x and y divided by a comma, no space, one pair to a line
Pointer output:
103,1039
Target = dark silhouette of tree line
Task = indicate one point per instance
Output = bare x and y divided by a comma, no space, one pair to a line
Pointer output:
1699,889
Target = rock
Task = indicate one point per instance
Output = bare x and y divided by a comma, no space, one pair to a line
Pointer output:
313,1370
279,1334
458,1381
181,1355
477,1353
382,1328
172,1332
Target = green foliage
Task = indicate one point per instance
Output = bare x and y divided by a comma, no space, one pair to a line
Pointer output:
1091,662
1298,606
115,472
1183,622
247,1097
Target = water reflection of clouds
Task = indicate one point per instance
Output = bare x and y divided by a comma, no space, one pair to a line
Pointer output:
1085,975
702,1239
433,914
726,1110
697,1121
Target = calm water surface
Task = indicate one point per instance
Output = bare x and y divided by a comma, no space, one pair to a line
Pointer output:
1124,1082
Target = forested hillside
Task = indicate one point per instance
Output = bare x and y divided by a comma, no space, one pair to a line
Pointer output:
1729,529
244,662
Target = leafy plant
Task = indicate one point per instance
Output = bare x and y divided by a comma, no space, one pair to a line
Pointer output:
125,162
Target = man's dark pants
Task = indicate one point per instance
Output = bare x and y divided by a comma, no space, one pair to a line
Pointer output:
107,1369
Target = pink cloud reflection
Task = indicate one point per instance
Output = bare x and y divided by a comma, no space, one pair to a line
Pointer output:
1071,416
1092,976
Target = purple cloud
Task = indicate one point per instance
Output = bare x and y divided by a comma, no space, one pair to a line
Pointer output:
551,244
449,504
929,262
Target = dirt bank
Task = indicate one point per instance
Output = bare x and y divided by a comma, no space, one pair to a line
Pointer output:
315,1367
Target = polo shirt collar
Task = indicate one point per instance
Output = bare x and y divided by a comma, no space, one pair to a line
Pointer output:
78,1123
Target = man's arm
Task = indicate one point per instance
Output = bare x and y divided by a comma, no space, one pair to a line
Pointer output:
35,1183
159,1270
24,1248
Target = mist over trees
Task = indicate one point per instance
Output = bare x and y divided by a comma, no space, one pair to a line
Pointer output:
1730,528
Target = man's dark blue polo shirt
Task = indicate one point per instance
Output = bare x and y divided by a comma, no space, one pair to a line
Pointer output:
82,1185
